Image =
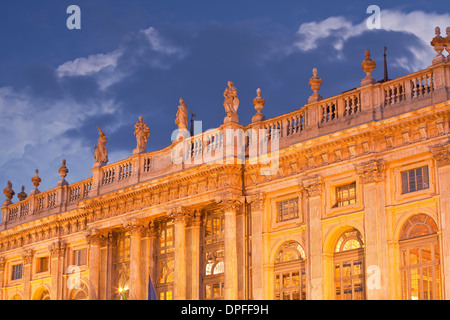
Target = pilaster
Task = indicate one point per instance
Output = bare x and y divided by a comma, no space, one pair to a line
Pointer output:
57,251
441,155
27,264
257,211
95,239
137,230
372,177
314,189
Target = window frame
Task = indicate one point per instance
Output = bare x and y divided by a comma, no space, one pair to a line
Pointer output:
398,196
13,273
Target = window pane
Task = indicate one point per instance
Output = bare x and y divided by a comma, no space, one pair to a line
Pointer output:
414,255
405,182
347,269
347,289
357,267
426,253
286,280
337,271
415,276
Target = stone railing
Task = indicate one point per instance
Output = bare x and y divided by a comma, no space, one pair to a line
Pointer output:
351,108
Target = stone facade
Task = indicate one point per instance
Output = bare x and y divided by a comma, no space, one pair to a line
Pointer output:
355,175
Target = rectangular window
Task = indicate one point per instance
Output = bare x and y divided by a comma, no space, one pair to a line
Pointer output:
415,179
345,195
80,257
42,264
17,272
287,210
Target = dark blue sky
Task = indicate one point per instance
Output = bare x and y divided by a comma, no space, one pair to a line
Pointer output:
138,57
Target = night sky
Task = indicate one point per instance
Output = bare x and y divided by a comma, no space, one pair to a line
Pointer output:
138,57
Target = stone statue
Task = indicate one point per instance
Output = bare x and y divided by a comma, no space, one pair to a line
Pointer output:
182,116
231,103
100,152
142,132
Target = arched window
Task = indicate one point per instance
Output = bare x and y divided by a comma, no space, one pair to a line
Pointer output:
349,266
290,277
16,297
420,259
81,293
41,294
213,255
122,264
165,260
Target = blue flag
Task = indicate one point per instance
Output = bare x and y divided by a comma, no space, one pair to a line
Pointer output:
151,290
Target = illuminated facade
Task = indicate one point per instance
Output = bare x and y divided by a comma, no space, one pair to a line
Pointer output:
358,207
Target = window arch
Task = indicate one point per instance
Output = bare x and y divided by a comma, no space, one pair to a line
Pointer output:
16,297
41,294
349,275
81,293
290,275
420,259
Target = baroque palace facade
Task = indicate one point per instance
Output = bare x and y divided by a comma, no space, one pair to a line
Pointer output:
349,200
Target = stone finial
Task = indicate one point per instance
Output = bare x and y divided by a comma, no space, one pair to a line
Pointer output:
368,65
447,43
315,82
22,195
36,180
439,44
259,103
231,103
9,193
63,171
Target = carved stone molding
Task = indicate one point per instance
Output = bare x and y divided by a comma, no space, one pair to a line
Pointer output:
441,153
2,264
371,171
313,186
27,256
57,249
95,237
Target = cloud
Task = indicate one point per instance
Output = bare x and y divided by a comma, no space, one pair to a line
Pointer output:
87,66
338,30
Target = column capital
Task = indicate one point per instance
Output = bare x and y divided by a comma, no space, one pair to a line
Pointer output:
371,171
27,256
313,186
441,152
197,218
57,249
230,201
94,237
135,227
180,214
256,201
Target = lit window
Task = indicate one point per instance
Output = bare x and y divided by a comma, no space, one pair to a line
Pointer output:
415,179
17,271
287,210
420,259
80,257
345,195
42,264
290,275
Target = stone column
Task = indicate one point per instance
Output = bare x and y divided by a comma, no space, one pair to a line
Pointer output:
136,230
57,251
372,178
111,251
441,154
195,251
2,276
230,208
180,216
95,239
313,188
257,210
27,263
